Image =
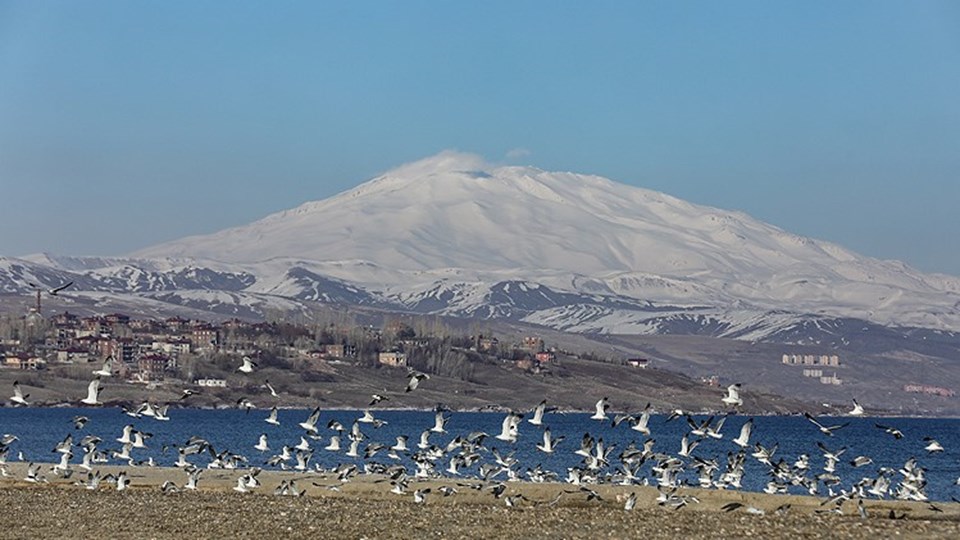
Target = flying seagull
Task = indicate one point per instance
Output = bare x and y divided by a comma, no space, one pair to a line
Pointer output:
415,378
826,430
53,291
601,412
18,397
107,369
743,440
733,395
272,419
857,409
310,424
897,434
93,393
247,366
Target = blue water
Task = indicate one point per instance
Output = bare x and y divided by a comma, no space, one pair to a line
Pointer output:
40,429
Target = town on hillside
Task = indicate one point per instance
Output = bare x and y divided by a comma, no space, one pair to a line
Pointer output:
185,352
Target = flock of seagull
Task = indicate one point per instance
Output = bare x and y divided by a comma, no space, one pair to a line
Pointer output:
472,461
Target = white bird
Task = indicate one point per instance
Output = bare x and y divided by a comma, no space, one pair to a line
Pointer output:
161,413
601,412
367,417
687,446
304,444
420,495
269,387
107,369
334,445
509,428
640,422
272,419
310,424
733,395
439,422
631,502
549,443
857,409
932,445
247,366
415,378
126,436
122,481
93,393
744,439
538,413
18,396
262,443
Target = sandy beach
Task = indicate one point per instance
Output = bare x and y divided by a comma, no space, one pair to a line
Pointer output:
365,508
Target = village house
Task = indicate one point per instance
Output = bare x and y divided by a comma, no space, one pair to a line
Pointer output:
393,359
545,357
24,361
638,362
73,355
211,383
532,344
152,366
487,344
205,338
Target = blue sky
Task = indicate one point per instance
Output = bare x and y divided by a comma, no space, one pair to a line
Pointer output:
124,124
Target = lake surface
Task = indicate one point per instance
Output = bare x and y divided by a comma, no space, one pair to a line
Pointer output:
40,429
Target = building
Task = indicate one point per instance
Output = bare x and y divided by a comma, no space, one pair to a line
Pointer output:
393,359
24,361
815,373
334,350
545,357
533,344
638,362
833,379
212,383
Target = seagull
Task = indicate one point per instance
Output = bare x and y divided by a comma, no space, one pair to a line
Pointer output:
93,393
262,444
244,403
733,395
439,422
549,444
79,421
247,366
631,502
538,413
933,446
826,430
742,440
897,434
687,446
857,409
53,291
640,422
187,393
18,396
310,424
377,398
272,419
415,378
268,386
861,461
107,369
420,495
601,412
509,428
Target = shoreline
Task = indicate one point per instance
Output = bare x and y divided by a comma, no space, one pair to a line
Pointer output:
365,507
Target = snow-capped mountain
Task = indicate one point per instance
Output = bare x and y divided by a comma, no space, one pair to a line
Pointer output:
454,235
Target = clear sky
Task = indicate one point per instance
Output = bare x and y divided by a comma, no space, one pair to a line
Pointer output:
124,124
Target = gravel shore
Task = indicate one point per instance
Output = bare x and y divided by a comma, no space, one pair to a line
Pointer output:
364,508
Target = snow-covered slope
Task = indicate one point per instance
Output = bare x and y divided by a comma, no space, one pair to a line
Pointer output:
454,235
453,218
